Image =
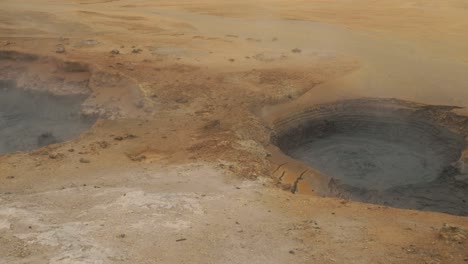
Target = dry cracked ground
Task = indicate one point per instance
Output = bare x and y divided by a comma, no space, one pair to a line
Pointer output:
179,167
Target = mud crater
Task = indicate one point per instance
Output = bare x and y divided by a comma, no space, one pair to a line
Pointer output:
33,119
387,152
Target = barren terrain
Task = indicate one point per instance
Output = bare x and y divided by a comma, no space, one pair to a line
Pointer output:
180,166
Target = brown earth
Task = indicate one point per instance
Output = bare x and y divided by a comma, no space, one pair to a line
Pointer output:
179,167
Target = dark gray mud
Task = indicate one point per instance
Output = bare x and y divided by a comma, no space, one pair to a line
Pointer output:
389,153
30,120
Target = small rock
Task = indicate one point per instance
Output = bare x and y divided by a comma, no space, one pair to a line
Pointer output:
181,239
130,136
83,160
89,42
136,51
232,60
71,150
296,50
56,155
181,100
137,157
115,52
127,136
292,252
10,177
60,50
411,249
121,235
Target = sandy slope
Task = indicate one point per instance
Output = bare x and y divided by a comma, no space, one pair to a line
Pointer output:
197,169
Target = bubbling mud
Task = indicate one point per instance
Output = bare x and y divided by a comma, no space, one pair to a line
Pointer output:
385,152
30,120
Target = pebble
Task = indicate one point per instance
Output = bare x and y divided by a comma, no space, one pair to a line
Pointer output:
83,160
181,100
89,42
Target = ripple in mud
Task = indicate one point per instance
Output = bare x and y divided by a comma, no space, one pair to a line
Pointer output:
380,153
29,120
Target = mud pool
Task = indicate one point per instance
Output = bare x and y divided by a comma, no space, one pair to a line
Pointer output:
375,154
30,120
381,154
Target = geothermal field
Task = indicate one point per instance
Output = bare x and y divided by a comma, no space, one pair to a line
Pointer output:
216,131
